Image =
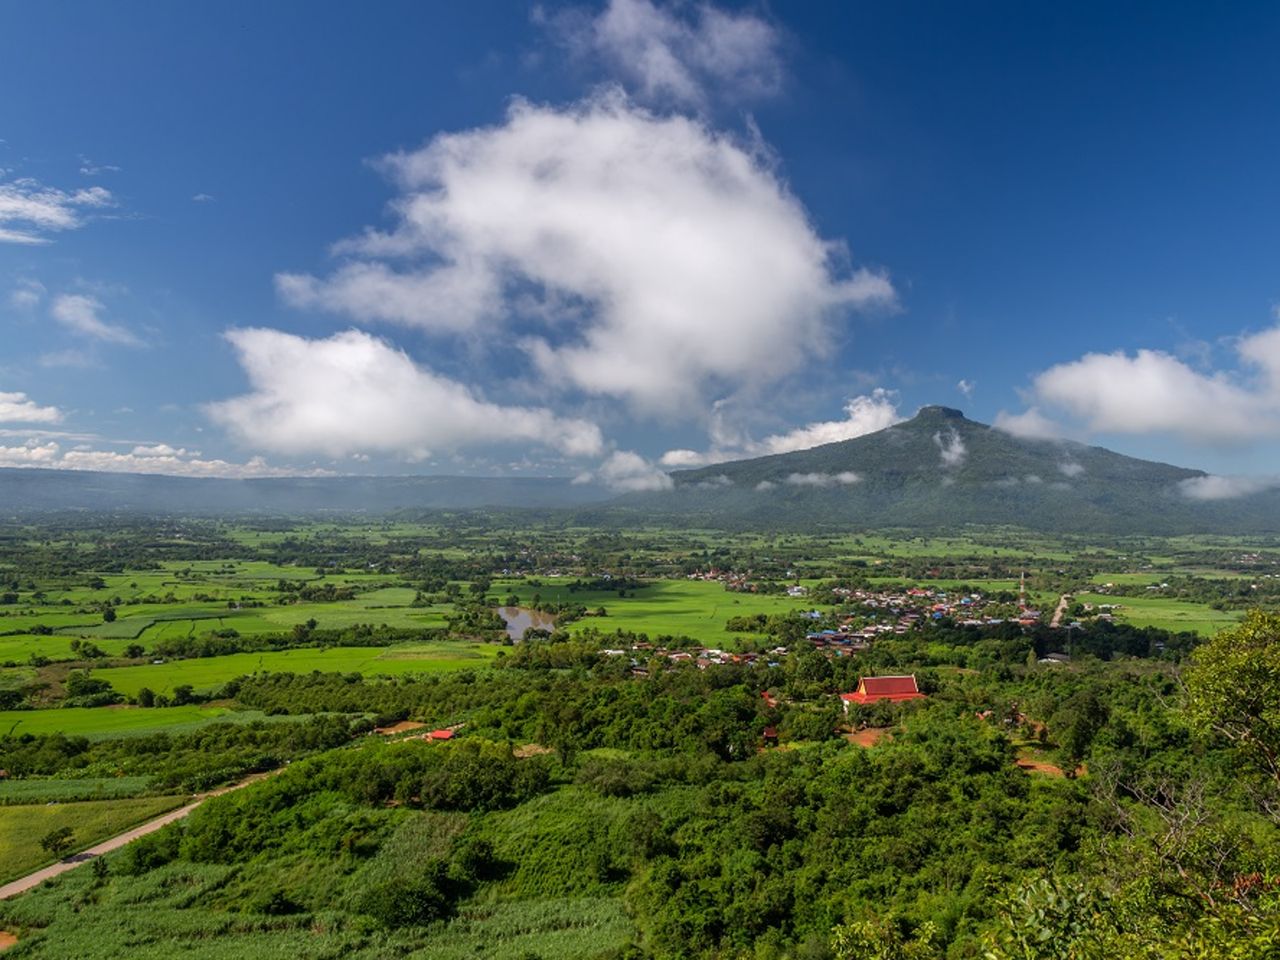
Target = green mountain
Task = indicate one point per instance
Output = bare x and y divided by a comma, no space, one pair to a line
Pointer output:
936,470
940,469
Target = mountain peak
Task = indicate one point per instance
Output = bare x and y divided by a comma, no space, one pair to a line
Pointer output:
935,412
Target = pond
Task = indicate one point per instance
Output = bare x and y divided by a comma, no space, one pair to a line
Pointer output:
520,619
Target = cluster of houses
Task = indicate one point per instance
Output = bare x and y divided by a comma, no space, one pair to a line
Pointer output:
899,611
701,657
733,581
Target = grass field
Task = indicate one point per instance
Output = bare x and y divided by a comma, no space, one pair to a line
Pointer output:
1166,613
691,608
21,827
98,722
207,673
68,791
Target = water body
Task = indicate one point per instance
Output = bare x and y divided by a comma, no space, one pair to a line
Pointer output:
520,619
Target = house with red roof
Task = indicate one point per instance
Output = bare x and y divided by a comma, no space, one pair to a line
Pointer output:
439,735
877,689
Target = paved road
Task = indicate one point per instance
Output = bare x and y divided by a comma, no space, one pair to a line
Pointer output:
115,843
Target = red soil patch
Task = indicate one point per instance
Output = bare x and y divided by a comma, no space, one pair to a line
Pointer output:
1036,766
7,940
868,736
404,726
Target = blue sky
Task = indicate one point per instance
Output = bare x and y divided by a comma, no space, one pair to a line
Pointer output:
608,240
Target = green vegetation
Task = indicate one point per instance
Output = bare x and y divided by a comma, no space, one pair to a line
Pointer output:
209,674
88,822
1165,613
665,771
67,791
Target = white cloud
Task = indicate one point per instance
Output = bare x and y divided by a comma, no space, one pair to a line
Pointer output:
629,472
451,299
679,54
1226,488
155,459
82,314
30,454
1031,424
951,448
29,211
68,358
1070,468
355,393
27,295
1155,392
640,257
863,414
18,408
203,198
822,480
966,387
90,169
764,486
718,482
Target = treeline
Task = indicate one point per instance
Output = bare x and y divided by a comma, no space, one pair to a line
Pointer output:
1221,593
221,642
204,758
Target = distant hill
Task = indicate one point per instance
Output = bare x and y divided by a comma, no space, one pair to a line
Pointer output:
940,469
936,470
24,491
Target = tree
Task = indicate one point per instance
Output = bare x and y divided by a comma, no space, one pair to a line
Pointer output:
1076,723
59,841
146,697
1233,688
109,615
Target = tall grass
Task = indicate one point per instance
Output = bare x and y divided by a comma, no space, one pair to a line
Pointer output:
68,791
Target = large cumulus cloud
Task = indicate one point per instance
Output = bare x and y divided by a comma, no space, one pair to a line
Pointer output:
635,256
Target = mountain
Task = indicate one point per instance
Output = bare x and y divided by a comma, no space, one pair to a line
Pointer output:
24,491
940,469
936,470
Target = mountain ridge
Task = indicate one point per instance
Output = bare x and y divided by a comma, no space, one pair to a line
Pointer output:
940,469
937,469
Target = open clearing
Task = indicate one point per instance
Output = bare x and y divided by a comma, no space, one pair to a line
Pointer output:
121,721
21,827
692,608
1168,614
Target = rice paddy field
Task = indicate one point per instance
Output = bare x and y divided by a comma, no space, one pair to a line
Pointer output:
1166,613
690,608
119,721
208,673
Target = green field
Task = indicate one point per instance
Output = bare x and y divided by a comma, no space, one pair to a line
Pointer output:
691,608
1165,613
93,821
67,791
95,722
207,673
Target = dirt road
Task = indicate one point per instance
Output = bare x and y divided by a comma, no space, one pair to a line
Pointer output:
24,884
1061,611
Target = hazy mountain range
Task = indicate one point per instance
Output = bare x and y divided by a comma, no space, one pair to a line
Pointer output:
937,469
